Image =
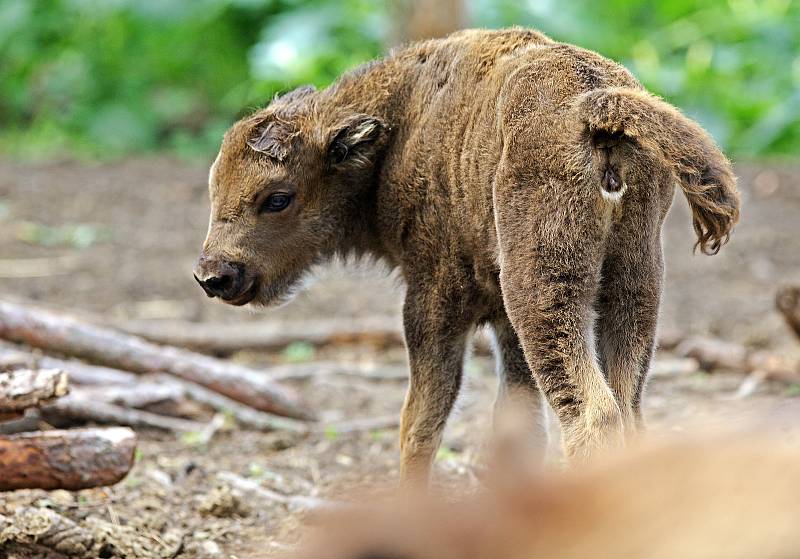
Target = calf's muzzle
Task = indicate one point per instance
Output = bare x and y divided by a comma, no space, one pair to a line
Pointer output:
220,278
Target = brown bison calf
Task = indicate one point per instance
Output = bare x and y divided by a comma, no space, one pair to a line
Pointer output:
514,181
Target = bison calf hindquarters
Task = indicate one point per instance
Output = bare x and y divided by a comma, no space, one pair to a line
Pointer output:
551,238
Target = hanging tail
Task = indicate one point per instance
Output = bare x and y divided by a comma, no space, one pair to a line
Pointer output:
704,173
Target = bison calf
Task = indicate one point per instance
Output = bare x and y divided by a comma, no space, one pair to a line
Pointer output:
515,182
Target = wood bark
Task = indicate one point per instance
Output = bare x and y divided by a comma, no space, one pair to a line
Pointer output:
138,396
109,347
74,459
42,532
74,409
28,388
268,335
14,357
243,414
712,353
292,502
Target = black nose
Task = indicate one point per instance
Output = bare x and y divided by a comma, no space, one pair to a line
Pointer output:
221,279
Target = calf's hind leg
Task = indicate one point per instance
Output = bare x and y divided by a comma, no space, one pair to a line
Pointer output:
551,239
518,397
628,310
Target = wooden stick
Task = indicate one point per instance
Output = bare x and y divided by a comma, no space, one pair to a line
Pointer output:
74,459
293,502
106,346
243,414
28,388
13,356
788,303
223,339
78,409
712,353
136,396
362,424
314,369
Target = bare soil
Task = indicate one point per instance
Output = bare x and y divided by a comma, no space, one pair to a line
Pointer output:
143,224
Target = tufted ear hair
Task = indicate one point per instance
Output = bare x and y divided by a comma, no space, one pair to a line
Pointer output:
356,140
271,137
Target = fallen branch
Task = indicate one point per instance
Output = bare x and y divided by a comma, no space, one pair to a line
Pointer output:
28,388
713,354
362,424
223,339
293,502
13,357
303,371
760,366
673,367
108,347
74,459
78,409
85,374
243,414
788,303
138,396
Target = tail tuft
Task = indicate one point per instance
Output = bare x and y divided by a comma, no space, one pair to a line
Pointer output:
704,173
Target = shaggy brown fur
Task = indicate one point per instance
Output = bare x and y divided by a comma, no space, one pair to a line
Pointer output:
514,181
710,498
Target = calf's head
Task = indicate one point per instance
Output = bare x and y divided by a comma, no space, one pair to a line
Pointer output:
284,189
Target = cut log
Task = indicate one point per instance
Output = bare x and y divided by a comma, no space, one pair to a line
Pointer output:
788,303
243,414
108,347
74,459
224,339
72,409
29,388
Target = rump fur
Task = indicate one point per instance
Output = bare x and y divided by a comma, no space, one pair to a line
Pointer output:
701,169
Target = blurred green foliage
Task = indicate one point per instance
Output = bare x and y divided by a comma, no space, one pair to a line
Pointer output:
113,77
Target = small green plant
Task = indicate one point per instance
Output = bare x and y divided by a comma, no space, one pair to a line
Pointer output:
77,235
793,390
445,454
298,352
331,433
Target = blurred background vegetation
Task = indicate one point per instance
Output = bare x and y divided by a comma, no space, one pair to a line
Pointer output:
109,78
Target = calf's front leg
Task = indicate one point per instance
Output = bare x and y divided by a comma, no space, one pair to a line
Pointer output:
436,342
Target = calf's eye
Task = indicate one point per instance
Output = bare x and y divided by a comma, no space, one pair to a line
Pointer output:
275,203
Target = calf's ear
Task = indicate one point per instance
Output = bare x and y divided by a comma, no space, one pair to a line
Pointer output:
356,141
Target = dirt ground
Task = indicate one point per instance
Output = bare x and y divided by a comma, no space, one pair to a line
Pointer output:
120,239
